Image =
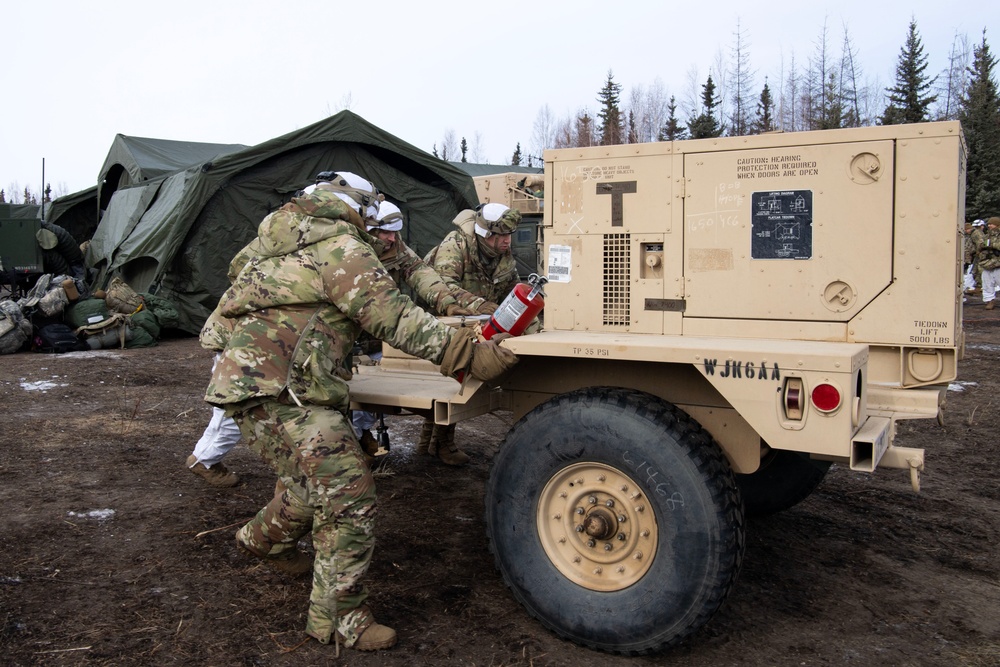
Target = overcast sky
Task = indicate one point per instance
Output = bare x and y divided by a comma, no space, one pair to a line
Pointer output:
78,73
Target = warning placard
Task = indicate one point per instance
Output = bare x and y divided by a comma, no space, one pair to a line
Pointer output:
782,225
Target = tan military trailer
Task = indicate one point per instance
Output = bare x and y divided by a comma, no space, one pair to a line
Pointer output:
724,319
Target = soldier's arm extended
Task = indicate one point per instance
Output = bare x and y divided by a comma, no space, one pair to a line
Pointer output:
427,284
361,288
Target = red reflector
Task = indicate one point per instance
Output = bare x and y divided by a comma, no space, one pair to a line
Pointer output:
826,397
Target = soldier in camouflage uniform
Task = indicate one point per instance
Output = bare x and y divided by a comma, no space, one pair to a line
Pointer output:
988,259
475,257
297,307
405,267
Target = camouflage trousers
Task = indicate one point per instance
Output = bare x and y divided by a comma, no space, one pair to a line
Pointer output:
329,490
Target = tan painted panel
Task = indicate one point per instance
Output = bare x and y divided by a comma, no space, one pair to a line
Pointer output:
793,233
923,308
610,225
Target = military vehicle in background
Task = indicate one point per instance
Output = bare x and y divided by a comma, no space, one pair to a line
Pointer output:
724,319
525,193
20,254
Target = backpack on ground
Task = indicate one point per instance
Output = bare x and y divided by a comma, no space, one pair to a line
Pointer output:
57,337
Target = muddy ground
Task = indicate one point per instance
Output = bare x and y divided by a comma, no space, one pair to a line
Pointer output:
114,554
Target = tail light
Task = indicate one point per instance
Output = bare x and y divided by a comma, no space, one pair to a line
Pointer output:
794,398
826,397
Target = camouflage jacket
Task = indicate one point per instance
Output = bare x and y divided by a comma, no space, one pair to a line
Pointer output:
406,267
968,248
300,302
458,260
987,248
218,328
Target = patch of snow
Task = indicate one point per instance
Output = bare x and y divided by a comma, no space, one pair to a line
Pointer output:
100,515
42,385
960,386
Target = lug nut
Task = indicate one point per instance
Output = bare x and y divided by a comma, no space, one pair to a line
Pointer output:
590,543
621,537
592,500
609,503
579,510
607,546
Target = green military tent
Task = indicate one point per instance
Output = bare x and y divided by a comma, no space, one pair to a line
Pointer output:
76,213
130,160
133,160
174,235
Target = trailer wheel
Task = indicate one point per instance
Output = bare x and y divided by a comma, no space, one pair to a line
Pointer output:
615,520
783,480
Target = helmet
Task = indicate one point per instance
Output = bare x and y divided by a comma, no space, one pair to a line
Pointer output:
352,189
389,218
496,219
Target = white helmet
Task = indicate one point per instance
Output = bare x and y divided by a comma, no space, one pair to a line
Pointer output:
353,190
496,218
389,218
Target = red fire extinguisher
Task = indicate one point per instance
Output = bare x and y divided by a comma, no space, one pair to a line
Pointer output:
518,310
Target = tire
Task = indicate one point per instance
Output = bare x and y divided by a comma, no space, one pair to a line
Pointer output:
631,587
783,480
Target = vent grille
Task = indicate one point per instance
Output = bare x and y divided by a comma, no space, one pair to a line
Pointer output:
617,279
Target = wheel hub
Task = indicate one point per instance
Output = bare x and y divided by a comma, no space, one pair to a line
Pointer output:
596,526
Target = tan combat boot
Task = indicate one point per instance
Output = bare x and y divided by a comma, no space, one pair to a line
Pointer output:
423,445
217,475
443,442
991,305
375,638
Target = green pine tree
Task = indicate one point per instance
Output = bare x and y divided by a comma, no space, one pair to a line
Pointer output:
610,113
910,98
515,160
705,125
831,112
672,130
980,117
465,149
764,121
